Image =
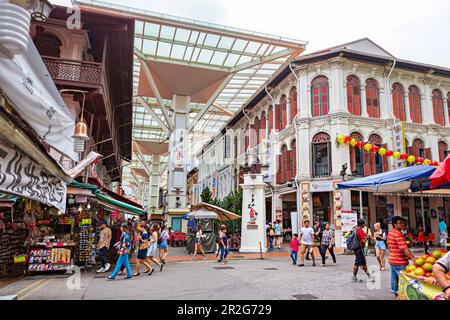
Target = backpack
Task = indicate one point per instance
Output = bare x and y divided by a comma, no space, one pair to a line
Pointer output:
352,241
271,233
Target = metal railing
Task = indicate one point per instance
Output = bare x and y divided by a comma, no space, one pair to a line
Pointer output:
74,70
321,170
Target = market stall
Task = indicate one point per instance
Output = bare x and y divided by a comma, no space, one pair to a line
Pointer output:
209,217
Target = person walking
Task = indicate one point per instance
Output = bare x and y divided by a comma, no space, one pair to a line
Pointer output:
163,246
124,246
152,251
223,243
143,245
103,246
294,248
317,236
360,258
307,240
398,252
440,268
278,234
199,241
327,243
443,233
267,234
379,236
271,237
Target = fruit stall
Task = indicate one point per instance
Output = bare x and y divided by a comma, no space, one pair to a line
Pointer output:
417,281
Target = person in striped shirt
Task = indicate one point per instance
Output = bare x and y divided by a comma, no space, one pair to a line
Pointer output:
398,252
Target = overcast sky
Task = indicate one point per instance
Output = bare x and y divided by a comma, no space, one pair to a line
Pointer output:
409,29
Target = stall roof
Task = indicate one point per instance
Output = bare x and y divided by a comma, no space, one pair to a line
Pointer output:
221,214
120,204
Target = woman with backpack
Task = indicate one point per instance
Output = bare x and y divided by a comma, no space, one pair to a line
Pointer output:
162,242
271,237
152,252
356,241
380,245
199,241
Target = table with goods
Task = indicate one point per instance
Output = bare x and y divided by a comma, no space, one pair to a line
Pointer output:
417,281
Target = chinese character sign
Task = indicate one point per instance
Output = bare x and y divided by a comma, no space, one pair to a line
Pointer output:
398,142
253,214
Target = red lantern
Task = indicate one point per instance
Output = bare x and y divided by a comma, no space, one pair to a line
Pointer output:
435,163
360,144
419,160
389,153
375,149
403,156
347,139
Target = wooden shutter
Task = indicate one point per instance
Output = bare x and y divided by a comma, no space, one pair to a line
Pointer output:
279,170
352,159
427,153
287,168
366,158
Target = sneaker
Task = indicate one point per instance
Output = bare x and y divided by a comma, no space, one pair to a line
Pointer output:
371,279
354,279
313,264
107,266
101,270
334,263
322,265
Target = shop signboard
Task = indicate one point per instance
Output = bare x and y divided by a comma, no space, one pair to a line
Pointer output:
348,222
321,186
22,176
214,187
399,142
252,213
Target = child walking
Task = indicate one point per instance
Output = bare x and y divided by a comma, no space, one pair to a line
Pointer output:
294,248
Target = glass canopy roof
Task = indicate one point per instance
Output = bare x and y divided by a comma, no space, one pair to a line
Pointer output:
249,58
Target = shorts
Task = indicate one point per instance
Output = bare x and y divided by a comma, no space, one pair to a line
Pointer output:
163,245
380,245
142,254
360,259
305,248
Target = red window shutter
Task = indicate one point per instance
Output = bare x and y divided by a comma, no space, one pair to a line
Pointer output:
427,153
294,156
385,160
288,165
325,99
415,152
350,99
279,170
293,104
270,120
367,170
277,116
284,114
352,159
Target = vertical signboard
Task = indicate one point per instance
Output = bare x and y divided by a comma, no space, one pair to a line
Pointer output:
399,142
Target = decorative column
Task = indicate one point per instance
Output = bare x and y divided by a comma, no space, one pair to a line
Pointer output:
337,99
253,233
364,112
304,95
428,115
289,112
407,109
384,101
445,106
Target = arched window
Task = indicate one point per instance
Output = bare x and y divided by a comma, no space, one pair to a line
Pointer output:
247,137
438,107
281,176
418,149
375,163
287,165
321,155
443,150
353,95
294,106
372,100
283,112
48,45
278,117
262,130
270,119
414,104
293,159
357,157
398,101
319,96
255,132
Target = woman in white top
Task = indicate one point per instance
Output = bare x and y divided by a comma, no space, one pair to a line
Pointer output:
199,240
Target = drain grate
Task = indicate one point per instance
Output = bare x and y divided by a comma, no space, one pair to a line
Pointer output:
304,297
223,268
270,268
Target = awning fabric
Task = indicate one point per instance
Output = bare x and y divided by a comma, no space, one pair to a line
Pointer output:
392,181
119,203
6,204
26,83
220,214
442,174
8,198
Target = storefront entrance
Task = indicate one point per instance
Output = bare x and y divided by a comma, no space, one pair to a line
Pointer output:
321,206
418,210
381,214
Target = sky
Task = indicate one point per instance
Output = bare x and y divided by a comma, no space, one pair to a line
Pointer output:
416,30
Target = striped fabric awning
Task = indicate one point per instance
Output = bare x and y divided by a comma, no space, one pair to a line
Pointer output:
6,204
8,198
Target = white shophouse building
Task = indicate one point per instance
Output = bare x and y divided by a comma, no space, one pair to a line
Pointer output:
356,89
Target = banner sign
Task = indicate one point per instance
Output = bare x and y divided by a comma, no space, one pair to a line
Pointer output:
179,151
412,287
253,215
348,222
20,175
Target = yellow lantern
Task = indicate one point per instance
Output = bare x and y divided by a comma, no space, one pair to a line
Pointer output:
340,139
427,162
382,151
367,147
396,155
353,142
411,159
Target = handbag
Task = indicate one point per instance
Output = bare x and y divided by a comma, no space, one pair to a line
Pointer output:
144,245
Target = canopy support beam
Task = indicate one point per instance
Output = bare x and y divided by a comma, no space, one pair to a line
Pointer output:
153,114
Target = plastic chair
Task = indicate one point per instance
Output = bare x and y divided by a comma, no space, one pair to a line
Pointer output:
432,238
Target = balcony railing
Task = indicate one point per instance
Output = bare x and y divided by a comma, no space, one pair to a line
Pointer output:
74,70
321,170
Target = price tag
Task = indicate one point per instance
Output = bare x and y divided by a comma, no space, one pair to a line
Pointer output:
20,259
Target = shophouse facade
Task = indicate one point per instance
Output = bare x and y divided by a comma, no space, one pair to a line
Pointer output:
288,131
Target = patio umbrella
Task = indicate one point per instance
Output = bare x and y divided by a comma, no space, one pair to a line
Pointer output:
393,181
442,174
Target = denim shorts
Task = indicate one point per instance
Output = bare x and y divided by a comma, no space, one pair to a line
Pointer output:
380,245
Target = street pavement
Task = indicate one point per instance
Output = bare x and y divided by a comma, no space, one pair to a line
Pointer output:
273,278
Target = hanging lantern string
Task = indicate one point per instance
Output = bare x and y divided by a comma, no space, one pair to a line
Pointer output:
368,147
